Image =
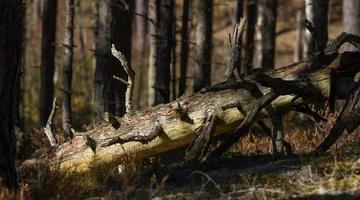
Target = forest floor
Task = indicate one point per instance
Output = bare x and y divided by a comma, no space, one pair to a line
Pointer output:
246,172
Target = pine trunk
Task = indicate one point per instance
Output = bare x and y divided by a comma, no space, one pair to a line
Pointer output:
249,36
317,13
166,127
203,35
266,23
351,19
67,69
11,47
161,34
47,59
184,51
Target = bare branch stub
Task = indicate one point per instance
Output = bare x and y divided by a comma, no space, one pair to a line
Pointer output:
198,148
182,113
111,120
48,128
144,139
131,78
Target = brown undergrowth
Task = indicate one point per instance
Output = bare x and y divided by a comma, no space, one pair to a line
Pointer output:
254,176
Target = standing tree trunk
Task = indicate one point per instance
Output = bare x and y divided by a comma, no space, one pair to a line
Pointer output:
351,19
153,15
202,71
114,27
161,13
83,55
298,54
141,25
249,36
67,70
239,6
173,76
47,59
317,13
141,9
266,23
11,41
184,52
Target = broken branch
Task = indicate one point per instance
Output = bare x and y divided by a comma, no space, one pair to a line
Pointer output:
48,128
130,82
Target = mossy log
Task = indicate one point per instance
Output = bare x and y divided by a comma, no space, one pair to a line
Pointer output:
178,121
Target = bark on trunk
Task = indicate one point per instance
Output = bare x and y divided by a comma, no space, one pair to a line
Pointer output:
202,70
141,25
351,20
184,51
174,125
67,69
160,51
249,36
298,54
153,16
114,27
266,23
317,13
238,10
11,41
141,10
47,59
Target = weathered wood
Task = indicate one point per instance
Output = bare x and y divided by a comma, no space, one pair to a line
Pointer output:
83,152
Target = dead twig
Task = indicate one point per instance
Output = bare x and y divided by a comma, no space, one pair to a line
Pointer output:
131,78
48,128
233,68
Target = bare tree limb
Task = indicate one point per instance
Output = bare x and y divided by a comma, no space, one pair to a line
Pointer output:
233,68
131,78
48,128
348,119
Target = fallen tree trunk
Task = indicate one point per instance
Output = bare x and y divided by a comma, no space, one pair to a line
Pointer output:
169,126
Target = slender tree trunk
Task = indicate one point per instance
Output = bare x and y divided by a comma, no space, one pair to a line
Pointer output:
249,36
173,76
298,54
160,51
83,55
11,42
266,23
239,7
184,48
317,13
202,71
351,19
67,70
47,59
141,10
114,27
141,25
36,15
153,15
